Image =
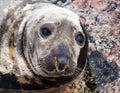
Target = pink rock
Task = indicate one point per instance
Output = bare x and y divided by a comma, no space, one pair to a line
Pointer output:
99,4
82,3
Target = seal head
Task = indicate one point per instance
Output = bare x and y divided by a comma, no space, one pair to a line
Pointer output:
53,42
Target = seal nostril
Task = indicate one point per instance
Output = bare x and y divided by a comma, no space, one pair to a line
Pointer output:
62,62
61,67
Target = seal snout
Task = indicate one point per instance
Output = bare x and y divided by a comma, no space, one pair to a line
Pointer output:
59,61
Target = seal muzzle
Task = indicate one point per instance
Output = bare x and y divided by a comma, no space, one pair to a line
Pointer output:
58,62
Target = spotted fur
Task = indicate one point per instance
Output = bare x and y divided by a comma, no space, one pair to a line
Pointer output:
18,65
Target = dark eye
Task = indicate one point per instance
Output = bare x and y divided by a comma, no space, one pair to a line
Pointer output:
63,1
45,32
79,38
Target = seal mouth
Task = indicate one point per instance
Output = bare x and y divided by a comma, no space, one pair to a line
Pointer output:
55,73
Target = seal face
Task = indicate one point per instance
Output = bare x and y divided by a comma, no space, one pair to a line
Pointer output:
44,41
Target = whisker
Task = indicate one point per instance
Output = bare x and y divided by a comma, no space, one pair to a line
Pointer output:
77,72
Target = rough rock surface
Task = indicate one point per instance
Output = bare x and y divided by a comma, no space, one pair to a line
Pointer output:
101,19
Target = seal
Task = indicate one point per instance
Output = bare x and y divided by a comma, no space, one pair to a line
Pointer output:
42,47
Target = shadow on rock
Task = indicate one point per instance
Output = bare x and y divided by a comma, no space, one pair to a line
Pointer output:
99,72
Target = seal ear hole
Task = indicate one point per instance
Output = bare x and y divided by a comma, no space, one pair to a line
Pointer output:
80,39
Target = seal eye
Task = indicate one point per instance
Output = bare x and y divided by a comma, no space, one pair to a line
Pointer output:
63,1
45,32
79,38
